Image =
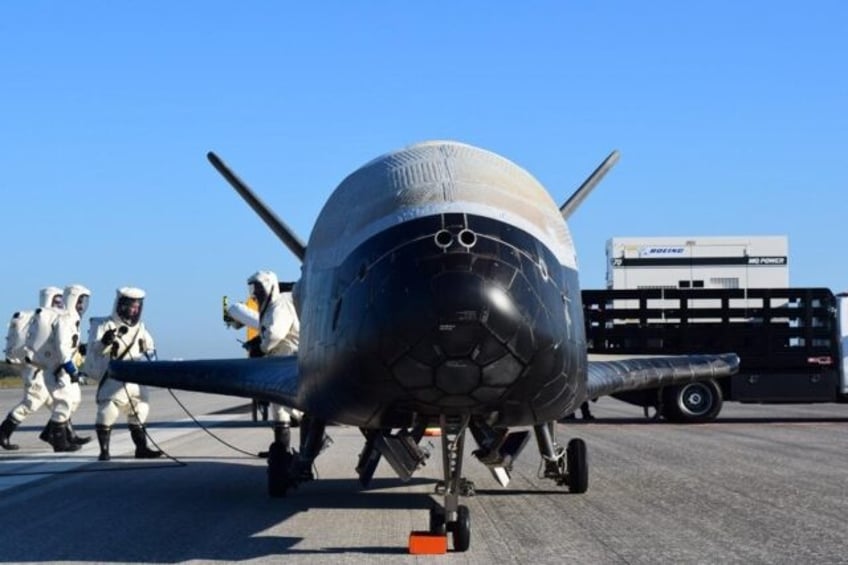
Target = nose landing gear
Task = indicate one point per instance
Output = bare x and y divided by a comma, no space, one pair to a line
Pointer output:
453,518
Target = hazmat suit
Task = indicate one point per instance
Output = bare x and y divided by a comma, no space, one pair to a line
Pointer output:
279,335
54,344
123,336
35,390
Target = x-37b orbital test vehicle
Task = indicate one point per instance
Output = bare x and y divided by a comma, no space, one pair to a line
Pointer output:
439,288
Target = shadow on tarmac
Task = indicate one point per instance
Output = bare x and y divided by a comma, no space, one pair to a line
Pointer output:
204,511
720,421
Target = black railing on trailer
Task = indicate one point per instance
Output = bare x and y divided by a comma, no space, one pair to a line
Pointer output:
787,338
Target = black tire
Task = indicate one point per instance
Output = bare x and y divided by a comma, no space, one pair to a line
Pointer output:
279,461
462,529
693,402
577,477
437,521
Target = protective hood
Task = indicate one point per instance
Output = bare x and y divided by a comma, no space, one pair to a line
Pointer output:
123,309
76,299
269,288
46,296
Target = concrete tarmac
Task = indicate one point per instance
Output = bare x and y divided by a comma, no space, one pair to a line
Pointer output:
763,484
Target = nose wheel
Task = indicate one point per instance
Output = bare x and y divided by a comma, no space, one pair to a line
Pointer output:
460,528
453,518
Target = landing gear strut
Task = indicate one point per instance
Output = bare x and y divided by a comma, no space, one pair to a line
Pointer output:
453,517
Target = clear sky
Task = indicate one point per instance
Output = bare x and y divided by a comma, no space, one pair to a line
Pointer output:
731,118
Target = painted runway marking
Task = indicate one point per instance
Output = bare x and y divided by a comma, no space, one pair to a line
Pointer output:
22,467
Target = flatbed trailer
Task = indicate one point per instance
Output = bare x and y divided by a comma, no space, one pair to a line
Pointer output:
791,343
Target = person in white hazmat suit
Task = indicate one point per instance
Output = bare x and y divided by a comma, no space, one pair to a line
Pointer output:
55,344
124,337
35,390
279,335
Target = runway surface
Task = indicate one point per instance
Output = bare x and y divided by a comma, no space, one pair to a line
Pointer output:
763,484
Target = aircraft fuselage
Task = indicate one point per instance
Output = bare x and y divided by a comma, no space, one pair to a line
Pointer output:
461,297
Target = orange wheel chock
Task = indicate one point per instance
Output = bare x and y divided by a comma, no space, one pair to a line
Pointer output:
427,543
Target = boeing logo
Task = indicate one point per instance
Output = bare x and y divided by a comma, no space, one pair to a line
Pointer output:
661,251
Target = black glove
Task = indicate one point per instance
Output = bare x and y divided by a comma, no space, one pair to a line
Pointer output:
253,347
75,377
108,338
83,349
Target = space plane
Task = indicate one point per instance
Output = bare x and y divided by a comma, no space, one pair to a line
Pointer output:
439,288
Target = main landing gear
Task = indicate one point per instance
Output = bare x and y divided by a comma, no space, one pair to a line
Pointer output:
569,466
287,468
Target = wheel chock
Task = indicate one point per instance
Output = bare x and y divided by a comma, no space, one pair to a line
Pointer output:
427,543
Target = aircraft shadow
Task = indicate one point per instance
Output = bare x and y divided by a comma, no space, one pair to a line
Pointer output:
720,421
205,511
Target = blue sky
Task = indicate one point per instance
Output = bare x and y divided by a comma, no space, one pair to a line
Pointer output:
731,118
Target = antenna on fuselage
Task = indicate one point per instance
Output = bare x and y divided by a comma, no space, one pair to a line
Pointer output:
285,233
590,183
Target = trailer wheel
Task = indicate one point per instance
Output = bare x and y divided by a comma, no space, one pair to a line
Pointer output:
693,402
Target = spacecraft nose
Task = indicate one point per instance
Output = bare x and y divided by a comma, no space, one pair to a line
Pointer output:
451,317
